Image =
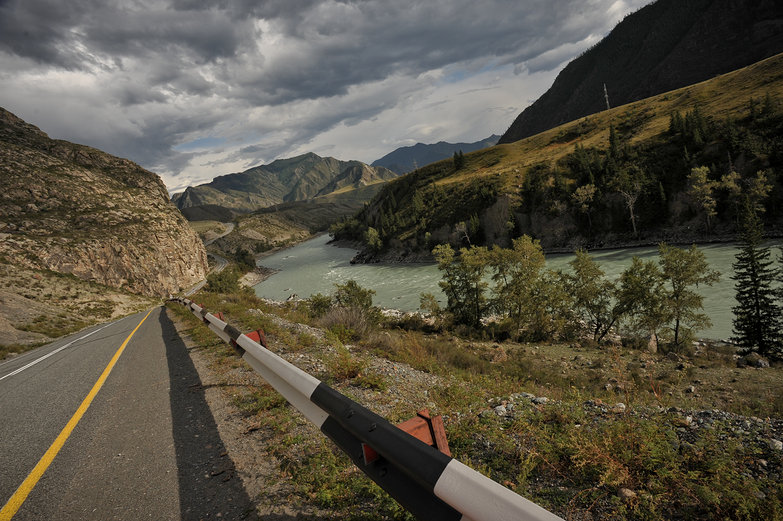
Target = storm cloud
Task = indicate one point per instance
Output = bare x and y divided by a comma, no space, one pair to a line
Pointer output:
194,88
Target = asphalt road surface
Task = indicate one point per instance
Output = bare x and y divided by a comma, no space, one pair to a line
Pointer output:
146,447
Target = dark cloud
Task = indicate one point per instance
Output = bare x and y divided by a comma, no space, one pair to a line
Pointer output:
40,30
173,71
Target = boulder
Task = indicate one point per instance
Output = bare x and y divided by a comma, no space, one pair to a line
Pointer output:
753,360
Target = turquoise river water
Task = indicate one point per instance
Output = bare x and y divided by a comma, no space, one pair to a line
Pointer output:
315,267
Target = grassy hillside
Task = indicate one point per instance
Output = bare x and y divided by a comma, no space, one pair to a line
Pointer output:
666,45
732,123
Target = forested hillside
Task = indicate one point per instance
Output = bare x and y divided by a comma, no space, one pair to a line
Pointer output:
669,168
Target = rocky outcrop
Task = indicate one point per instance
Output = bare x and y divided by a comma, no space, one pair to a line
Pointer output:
76,210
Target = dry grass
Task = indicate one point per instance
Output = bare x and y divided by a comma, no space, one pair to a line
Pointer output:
37,306
564,455
719,97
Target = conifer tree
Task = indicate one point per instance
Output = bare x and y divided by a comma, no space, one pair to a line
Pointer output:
757,315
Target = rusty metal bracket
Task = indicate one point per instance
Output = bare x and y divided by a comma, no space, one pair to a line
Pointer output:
423,427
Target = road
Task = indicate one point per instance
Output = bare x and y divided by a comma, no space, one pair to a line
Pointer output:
146,447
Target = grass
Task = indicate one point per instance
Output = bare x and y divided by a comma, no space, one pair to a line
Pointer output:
17,349
202,228
570,457
53,327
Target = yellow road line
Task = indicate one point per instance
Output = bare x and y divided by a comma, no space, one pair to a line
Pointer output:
13,505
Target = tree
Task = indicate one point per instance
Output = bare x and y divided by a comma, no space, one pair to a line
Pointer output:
463,282
730,183
683,270
758,188
225,281
614,148
518,277
592,295
373,239
757,315
630,184
351,295
583,201
245,260
641,298
701,191
459,160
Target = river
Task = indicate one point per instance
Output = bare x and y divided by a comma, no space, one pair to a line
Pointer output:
315,267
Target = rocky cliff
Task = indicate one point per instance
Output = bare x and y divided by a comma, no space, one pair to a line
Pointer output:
76,210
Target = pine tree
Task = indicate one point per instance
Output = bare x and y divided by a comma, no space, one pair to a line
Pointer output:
757,315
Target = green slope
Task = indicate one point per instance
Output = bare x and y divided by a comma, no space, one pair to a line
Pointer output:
528,186
665,45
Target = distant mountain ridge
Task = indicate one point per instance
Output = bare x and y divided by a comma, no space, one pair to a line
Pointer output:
285,180
665,45
407,159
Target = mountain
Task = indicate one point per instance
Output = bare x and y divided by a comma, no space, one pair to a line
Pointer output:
284,180
72,209
665,45
407,159
624,176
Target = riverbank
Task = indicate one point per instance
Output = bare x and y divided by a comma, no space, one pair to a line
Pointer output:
408,256
257,276
317,265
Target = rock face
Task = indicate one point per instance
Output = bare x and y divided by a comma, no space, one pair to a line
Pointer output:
665,45
76,210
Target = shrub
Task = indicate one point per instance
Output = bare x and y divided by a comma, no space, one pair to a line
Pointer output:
226,281
318,305
348,324
351,295
344,365
371,380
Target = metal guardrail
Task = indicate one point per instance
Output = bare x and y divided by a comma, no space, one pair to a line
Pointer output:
425,481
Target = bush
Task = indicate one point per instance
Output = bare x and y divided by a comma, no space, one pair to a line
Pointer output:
318,305
348,324
226,281
351,295
345,366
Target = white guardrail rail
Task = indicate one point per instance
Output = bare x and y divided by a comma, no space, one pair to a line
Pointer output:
425,481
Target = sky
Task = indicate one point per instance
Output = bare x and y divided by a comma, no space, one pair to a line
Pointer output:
193,89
